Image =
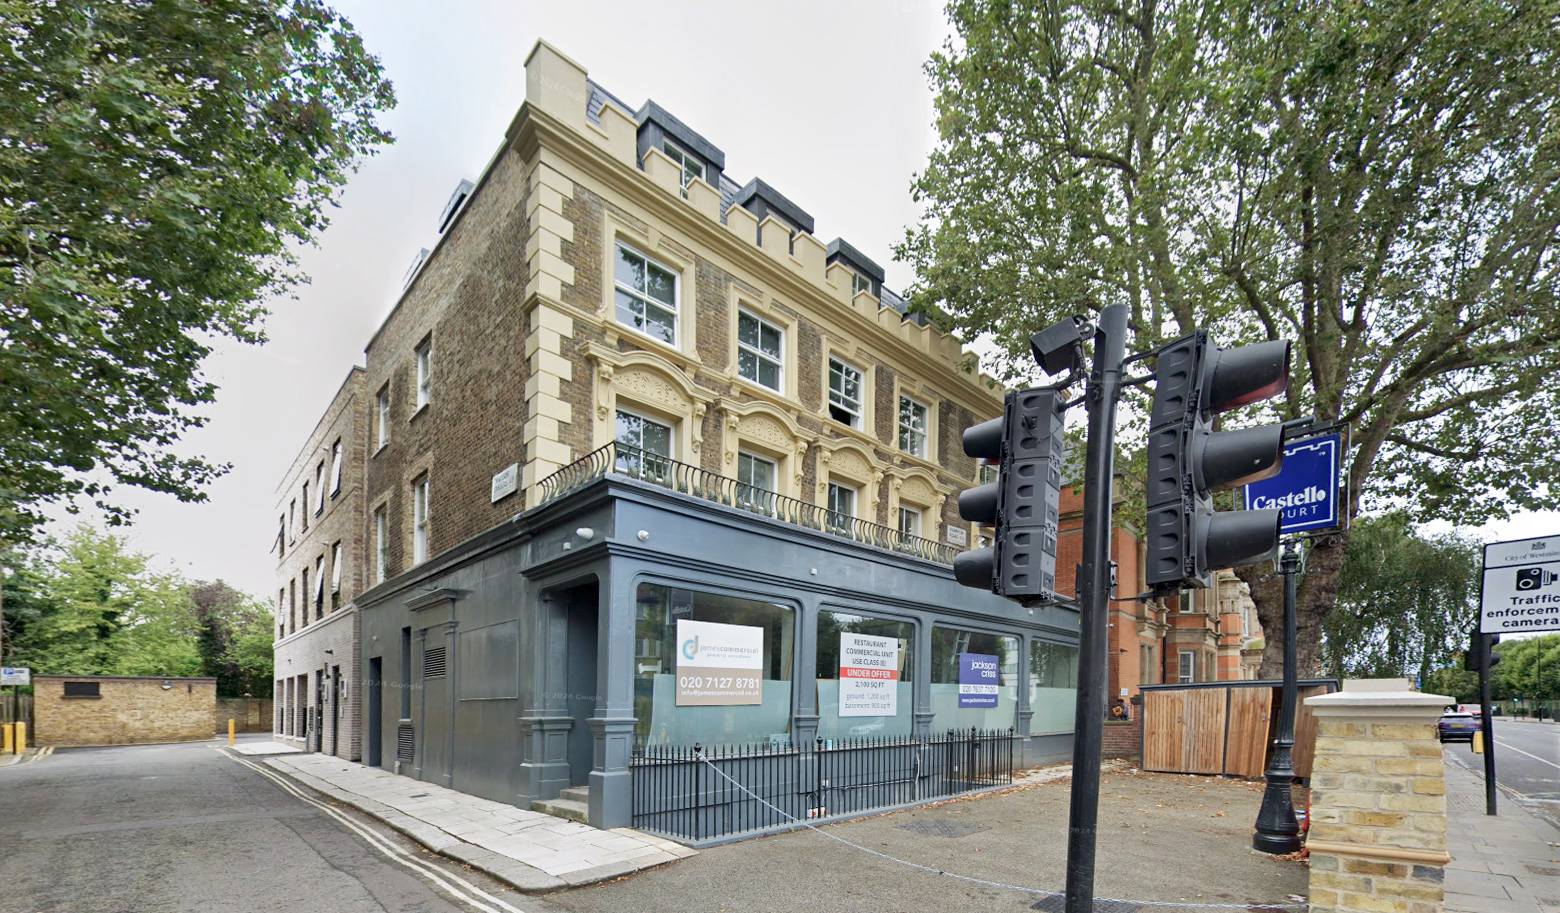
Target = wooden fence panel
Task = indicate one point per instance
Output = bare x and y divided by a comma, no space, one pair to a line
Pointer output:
1245,753
1206,715
1305,731
1164,730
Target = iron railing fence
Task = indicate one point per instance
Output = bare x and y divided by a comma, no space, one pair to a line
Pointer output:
645,466
699,794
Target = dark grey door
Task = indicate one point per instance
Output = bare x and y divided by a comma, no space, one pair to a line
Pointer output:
376,684
581,678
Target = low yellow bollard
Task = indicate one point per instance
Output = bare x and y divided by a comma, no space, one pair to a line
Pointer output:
7,733
231,731
1478,743
21,738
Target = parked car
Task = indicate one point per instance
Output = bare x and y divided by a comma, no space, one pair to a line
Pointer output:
1457,726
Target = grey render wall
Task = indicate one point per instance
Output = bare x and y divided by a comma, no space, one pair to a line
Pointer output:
514,748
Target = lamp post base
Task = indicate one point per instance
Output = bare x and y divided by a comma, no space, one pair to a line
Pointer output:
1278,832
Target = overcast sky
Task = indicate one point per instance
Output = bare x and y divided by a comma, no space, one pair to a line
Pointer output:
826,101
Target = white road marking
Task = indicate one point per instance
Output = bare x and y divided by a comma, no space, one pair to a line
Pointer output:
455,886
1533,756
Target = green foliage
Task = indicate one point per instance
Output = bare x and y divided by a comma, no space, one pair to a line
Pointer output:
1405,602
88,606
1379,183
1528,668
159,161
1455,682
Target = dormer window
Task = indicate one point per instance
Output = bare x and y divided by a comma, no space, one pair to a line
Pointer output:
691,167
859,284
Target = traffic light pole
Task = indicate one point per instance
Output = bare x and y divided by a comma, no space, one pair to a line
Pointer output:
1488,723
1277,830
1103,391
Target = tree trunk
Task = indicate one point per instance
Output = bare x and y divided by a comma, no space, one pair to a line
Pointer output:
1318,593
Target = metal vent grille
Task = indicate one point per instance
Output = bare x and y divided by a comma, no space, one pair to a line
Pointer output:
433,662
405,742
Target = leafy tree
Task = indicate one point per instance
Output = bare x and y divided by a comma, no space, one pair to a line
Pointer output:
1455,682
159,160
1529,668
91,589
231,627
1406,603
1378,182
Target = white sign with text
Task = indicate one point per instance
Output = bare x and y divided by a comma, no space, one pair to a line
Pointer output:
719,664
869,675
1521,589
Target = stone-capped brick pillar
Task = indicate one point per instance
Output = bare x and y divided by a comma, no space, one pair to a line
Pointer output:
1378,800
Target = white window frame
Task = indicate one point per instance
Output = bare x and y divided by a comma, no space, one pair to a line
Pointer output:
424,357
420,520
647,468
859,284
1186,666
914,514
751,495
319,484
319,584
335,568
305,505
837,398
923,431
831,505
382,400
644,298
759,355
381,546
336,467
691,166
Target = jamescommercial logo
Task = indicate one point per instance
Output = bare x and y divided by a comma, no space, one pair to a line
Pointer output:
690,647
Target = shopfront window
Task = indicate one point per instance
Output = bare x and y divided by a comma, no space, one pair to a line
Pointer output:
974,680
726,680
1053,687
865,675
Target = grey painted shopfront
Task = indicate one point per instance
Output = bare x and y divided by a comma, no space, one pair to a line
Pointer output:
536,656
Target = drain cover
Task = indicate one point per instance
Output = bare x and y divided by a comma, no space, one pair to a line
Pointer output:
1059,905
942,828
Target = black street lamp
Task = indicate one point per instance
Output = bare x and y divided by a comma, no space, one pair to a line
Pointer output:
1278,831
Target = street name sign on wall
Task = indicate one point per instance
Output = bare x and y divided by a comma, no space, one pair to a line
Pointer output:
1521,588
1306,489
719,664
977,680
869,675
15,675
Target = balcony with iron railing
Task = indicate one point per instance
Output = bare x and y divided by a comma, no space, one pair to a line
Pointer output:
631,462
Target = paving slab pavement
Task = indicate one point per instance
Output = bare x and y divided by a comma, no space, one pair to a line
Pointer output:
1505,863
532,851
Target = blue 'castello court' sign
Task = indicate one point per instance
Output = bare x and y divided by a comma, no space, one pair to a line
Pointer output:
1306,490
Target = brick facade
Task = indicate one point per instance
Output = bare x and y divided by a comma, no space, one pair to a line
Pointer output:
125,711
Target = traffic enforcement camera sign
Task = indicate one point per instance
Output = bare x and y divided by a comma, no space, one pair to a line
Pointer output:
1521,590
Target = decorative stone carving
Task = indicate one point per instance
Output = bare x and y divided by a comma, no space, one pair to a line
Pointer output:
764,430
917,491
851,463
650,388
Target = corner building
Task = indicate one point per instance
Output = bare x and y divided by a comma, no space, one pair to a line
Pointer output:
623,394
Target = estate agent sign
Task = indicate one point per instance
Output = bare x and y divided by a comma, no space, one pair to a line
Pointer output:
719,664
869,675
977,680
1521,590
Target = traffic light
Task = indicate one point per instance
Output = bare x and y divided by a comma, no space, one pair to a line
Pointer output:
1481,652
1023,504
1187,540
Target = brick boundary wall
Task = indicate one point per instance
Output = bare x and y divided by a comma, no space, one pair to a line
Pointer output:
1124,739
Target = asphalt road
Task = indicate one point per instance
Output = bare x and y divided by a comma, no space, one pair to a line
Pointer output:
187,828
1527,762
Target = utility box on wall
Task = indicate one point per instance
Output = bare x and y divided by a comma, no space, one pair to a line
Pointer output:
111,710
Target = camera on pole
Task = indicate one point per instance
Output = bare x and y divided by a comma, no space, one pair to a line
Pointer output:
1187,540
1023,504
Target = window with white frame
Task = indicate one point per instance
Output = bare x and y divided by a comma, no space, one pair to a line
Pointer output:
319,585
756,476
281,535
420,520
912,426
381,546
1186,672
648,447
859,284
986,474
335,569
691,167
646,294
424,355
759,350
319,486
335,468
382,406
844,393
842,507
292,520
305,505
910,520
